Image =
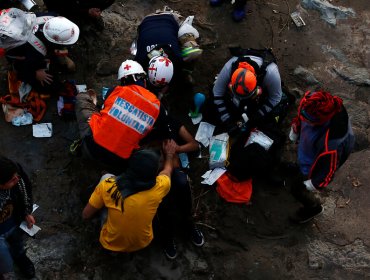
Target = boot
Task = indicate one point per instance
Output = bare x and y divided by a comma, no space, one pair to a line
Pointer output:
189,47
238,14
25,266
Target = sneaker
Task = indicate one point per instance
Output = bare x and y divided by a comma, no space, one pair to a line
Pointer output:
238,14
170,249
304,215
25,266
215,2
197,237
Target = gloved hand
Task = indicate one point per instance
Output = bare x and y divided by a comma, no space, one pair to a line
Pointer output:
294,130
293,136
309,186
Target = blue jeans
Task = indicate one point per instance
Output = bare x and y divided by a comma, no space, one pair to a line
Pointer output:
11,247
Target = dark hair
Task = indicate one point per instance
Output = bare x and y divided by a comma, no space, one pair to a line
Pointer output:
7,169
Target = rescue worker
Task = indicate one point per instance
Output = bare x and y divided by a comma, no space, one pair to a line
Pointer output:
130,201
15,207
238,13
33,54
163,34
248,89
128,115
326,139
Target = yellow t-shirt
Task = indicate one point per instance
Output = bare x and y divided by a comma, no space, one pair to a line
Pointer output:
130,230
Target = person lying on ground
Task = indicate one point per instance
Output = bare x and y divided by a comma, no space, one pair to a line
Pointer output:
129,114
129,201
166,46
177,204
34,53
15,206
326,139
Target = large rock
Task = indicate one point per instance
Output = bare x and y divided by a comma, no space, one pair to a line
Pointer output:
306,75
329,12
354,74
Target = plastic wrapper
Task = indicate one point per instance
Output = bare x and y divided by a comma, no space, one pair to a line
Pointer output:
218,150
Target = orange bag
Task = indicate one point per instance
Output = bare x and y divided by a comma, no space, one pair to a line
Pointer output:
234,191
33,103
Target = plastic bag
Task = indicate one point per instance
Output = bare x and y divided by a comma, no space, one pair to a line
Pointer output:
187,28
219,150
16,27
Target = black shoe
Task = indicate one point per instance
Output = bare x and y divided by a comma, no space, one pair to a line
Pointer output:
170,249
197,237
304,215
26,266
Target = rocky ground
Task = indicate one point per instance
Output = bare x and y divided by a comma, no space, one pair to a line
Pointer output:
253,241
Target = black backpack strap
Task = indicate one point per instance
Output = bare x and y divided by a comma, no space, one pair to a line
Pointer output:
267,58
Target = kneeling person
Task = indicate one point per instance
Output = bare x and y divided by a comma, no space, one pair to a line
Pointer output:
131,200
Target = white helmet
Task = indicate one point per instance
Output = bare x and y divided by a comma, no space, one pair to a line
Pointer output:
160,71
129,67
62,31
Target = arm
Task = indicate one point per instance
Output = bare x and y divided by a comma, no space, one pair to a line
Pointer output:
272,84
89,211
191,145
220,88
169,149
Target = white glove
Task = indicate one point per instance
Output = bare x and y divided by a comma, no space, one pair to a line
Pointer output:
293,136
309,186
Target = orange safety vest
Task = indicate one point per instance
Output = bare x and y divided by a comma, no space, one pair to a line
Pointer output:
129,114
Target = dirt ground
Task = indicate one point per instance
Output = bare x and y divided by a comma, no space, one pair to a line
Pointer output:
253,241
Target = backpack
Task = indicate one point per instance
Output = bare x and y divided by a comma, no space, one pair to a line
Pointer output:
234,191
266,54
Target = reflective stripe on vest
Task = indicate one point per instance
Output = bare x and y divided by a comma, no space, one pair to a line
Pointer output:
129,114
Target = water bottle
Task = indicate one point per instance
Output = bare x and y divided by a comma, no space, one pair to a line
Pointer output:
199,99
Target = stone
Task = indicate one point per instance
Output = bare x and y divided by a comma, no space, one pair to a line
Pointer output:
306,75
328,11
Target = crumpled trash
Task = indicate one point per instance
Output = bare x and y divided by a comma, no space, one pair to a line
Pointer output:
24,90
24,119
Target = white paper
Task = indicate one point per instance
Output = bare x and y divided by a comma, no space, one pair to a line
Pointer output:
42,130
213,176
31,231
81,88
197,119
204,133
260,138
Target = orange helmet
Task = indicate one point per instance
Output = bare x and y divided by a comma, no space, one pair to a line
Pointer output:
243,83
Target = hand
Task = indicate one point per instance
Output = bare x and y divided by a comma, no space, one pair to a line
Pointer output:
169,147
94,12
309,186
293,136
44,77
30,221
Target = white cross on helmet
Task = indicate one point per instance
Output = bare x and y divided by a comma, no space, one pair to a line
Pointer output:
160,71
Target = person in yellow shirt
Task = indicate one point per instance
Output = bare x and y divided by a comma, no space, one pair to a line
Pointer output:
132,199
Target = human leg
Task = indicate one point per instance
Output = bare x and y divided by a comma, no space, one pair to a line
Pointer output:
311,204
84,108
6,264
183,200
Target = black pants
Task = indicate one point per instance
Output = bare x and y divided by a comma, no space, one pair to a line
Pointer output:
176,205
299,191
